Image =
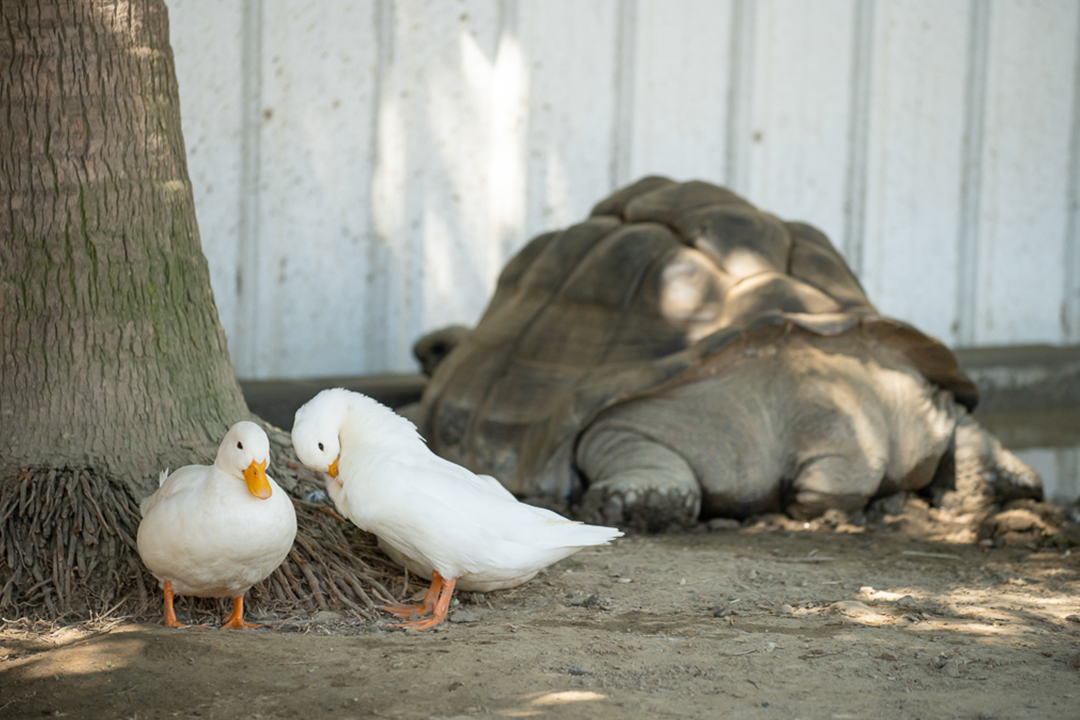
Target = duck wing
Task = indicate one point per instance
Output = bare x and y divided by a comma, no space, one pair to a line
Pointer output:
481,483
431,509
183,480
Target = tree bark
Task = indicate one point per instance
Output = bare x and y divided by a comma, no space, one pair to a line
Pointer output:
111,353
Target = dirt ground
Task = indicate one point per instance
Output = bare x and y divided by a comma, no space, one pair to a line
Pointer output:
906,617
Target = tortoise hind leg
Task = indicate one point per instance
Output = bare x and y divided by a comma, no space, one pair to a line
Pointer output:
978,473
982,461
636,483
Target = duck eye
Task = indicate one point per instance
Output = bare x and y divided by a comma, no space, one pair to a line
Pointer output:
240,446
321,447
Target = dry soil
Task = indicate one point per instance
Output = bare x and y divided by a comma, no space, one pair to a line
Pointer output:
903,618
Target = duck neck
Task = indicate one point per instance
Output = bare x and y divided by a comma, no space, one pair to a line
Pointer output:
223,465
371,426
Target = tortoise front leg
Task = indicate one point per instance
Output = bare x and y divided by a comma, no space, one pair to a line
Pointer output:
636,483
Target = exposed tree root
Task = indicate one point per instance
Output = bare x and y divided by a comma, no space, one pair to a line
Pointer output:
67,551
67,544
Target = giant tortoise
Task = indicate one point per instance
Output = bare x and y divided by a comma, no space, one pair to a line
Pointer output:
682,354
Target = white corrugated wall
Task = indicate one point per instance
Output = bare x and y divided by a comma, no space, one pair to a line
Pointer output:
363,168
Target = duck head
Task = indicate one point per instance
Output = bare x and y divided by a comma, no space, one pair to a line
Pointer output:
337,418
244,454
316,434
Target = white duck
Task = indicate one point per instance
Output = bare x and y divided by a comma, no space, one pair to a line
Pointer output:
214,531
438,519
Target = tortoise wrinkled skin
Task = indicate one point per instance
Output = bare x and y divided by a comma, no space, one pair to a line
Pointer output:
682,355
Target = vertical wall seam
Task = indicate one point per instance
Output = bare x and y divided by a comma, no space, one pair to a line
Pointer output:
418,188
622,135
510,27
740,97
971,171
378,350
862,56
247,301
1070,311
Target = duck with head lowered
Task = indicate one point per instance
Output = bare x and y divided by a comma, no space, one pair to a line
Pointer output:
216,530
436,518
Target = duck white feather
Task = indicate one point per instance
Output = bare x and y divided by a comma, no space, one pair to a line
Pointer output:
431,515
216,530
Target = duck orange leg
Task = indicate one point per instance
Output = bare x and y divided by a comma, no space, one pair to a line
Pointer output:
235,620
442,608
405,610
170,613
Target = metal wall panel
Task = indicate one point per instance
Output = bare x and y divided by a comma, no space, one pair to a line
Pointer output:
1025,166
312,213
803,119
431,196
570,49
363,168
914,174
678,86
207,41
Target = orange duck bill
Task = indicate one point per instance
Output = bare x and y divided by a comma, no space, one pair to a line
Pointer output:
255,477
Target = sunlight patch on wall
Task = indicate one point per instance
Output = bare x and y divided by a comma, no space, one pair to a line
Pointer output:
507,170
388,184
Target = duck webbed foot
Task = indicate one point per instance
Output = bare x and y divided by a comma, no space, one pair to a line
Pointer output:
436,602
407,610
235,620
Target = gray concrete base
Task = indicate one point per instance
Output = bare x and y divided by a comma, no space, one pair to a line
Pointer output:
277,401
1028,376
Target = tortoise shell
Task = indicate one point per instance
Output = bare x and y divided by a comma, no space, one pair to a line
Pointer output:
653,289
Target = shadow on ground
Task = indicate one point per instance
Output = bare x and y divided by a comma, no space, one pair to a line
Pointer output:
765,621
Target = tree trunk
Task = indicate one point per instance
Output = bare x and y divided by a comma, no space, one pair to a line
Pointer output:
113,364
111,353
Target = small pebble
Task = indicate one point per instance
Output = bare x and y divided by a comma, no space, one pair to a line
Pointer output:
326,616
465,615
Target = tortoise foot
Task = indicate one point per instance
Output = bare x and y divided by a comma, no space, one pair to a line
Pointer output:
628,506
986,473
